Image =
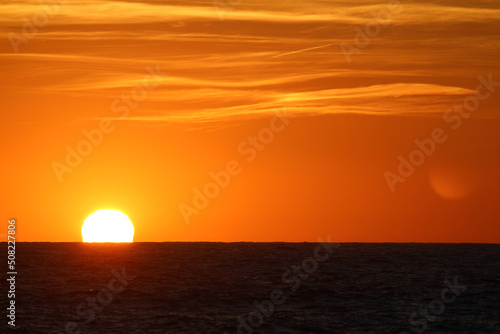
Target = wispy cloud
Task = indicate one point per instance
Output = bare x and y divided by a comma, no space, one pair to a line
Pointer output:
125,12
259,58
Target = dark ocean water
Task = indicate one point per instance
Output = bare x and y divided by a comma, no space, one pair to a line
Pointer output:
220,287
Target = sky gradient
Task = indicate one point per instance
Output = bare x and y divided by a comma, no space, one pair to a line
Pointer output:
178,89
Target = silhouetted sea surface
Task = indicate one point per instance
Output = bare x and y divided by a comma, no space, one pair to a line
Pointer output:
206,287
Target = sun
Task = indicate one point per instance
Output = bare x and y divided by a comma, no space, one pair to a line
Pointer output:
108,226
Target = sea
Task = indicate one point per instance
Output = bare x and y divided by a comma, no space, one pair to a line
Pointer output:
235,288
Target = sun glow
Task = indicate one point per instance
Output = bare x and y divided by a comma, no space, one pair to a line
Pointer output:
108,226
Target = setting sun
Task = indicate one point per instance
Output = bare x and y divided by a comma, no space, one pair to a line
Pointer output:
108,226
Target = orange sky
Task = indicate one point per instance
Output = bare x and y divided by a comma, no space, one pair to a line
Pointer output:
187,85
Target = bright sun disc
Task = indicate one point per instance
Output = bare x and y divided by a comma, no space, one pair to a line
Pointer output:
108,226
